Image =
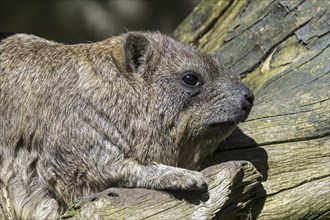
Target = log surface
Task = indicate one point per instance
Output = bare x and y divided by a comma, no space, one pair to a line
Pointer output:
232,188
280,49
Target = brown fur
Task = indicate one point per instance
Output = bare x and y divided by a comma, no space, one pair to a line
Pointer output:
77,119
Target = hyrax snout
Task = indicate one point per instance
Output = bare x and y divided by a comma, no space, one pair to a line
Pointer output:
135,110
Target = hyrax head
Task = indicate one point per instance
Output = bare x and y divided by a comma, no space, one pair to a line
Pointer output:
193,101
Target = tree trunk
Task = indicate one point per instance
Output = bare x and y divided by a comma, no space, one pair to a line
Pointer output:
280,49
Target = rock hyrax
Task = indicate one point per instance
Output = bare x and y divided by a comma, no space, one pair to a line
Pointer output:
135,110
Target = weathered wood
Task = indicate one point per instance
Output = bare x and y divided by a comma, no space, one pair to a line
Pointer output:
232,187
281,50
6,209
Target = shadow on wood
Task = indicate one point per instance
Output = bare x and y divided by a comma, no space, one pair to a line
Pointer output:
239,146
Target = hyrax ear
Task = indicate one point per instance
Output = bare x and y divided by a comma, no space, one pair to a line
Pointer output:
137,51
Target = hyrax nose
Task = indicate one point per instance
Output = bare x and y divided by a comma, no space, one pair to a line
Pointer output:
247,99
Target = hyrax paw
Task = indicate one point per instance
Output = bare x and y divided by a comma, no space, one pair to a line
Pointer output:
181,179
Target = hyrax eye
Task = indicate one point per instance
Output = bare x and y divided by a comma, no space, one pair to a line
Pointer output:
191,79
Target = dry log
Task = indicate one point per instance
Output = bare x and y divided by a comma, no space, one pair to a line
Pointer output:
232,188
6,209
281,51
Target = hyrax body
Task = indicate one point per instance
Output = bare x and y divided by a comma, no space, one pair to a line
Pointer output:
135,110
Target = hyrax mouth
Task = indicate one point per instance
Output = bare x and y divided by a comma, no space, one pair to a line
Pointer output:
231,116
236,109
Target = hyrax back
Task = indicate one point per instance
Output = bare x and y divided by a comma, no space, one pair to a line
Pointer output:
136,110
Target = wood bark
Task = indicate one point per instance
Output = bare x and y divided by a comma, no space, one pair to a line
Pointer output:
280,49
6,209
232,188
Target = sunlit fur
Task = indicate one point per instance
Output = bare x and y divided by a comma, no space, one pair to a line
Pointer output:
77,119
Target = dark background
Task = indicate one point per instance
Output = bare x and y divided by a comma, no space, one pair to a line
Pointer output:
74,21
